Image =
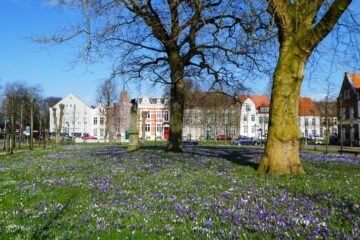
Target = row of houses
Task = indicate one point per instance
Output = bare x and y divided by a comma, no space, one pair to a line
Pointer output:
206,116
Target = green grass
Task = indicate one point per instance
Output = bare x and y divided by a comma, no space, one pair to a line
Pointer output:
101,191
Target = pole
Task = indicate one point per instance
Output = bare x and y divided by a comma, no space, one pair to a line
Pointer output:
31,121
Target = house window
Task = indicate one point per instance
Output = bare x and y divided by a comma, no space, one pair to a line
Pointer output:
124,120
245,118
95,120
117,130
101,132
314,133
245,130
351,112
147,127
226,120
253,129
101,121
95,132
253,118
306,122
191,119
313,121
158,114
158,127
248,107
166,115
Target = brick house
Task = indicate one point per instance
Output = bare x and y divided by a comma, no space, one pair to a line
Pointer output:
157,121
349,107
121,117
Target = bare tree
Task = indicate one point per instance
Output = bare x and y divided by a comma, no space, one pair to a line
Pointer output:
167,41
302,25
15,93
107,94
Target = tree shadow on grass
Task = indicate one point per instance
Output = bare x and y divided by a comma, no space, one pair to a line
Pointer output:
245,156
41,232
241,156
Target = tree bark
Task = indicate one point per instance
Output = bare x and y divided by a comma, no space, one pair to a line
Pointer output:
177,102
282,148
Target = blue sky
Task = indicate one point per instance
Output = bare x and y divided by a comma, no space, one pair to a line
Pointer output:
52,67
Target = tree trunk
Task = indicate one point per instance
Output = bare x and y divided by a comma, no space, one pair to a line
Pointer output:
177,102
143,127
13,131
282,148
31,122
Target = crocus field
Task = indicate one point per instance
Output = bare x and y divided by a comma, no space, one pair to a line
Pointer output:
101,191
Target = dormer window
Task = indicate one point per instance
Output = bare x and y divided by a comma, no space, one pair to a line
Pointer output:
158,101
145,100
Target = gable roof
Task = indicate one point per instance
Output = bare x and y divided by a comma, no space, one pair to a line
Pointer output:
260,101
355,79
307,107
72,95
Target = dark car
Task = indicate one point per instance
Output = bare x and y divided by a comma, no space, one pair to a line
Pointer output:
187,141
245,141
334,140
223,137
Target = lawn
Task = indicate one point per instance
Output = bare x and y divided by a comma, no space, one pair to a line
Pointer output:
91,191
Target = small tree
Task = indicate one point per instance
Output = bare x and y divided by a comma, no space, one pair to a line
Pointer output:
107,94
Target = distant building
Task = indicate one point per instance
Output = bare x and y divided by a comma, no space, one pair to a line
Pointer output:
157,121
255,116
328,113
209,114
309,118
121,117
349,108
79,119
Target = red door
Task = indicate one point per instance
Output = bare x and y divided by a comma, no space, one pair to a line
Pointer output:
166,133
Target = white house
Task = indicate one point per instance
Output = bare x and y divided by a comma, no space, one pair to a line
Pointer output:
254,115
79,119
309,118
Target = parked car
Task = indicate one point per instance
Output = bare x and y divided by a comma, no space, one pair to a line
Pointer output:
187,141
223,137
334,140
88,138
245,141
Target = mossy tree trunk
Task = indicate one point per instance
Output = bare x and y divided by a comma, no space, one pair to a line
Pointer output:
177,101
282,147
298,36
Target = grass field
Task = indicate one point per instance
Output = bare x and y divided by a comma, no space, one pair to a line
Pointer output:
91,191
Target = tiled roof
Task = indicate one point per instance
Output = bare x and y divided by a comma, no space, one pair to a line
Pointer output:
260,100
307,107
355,78
208,100
331,108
